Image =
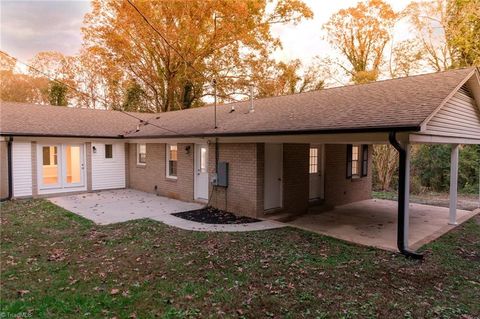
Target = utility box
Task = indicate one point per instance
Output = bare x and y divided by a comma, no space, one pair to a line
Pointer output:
222,174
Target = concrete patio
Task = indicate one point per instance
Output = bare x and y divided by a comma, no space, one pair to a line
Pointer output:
374,223
115,206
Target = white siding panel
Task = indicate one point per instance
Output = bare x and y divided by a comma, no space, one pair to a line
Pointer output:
459,117
22,168
108,173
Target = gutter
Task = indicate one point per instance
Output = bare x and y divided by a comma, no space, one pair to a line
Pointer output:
402,221
385,129
10,170
408,128
59,135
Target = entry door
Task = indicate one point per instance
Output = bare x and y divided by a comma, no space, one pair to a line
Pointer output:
73,165
273,176
316,172
201,172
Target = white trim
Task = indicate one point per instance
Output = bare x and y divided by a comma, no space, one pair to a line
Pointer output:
197,172
105,151
423,125
62,186
435,139
167,161
453,184
266,164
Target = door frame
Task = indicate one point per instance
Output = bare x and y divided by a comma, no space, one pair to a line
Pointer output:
196,168
280,159
82,166
321,171
61,186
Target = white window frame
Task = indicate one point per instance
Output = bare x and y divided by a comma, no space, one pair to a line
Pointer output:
138,154
105,152
167,161
358,161
313,160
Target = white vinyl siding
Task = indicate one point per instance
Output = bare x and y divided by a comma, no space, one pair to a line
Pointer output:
459,117
22,168
108,173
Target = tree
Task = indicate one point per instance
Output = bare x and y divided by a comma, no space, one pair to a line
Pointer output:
218,39
57,93
60,69
429,21
432,165
289,78
463,31
361,34
16,87
406,58
384,165
449,31
134,98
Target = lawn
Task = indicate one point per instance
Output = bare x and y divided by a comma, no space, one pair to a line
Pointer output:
464,201
55,264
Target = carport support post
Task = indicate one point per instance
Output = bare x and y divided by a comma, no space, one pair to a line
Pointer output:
407,194
453,184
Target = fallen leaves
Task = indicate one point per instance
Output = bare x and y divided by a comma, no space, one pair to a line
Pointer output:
57,254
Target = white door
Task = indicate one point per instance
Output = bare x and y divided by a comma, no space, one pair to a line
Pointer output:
49,168
316,174
201,172
73,165
273,176
61,166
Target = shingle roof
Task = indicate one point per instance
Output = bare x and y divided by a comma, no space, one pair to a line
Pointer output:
399,103
47,120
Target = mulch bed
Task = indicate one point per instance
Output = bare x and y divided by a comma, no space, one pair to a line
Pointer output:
210,215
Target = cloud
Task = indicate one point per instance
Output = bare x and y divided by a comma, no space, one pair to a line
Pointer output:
29,27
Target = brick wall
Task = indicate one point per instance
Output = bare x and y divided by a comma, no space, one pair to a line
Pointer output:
3,169
146,177
244,194
295,178
338,189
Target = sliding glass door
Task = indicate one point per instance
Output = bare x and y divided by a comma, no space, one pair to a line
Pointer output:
61,166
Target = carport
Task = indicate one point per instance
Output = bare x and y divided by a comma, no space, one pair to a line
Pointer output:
374,223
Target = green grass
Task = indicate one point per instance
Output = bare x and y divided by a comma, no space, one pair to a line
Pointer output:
55,264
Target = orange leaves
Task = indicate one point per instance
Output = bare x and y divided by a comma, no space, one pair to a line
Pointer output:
218,38
361,34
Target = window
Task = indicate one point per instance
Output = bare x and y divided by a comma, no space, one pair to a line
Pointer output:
50,169
141,154
108,151
313,168
49,155
171,161
364,160
203,160
357,161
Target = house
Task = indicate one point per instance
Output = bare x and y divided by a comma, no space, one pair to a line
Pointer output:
253,157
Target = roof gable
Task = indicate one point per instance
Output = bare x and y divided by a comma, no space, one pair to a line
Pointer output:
459,116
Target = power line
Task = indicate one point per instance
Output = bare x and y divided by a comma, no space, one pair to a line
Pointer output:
142,121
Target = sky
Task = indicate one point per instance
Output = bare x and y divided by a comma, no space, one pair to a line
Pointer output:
28,27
